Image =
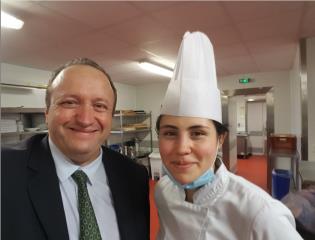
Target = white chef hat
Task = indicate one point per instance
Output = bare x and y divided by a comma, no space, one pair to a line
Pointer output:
193,91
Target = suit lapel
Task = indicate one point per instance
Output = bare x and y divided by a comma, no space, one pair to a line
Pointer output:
45,192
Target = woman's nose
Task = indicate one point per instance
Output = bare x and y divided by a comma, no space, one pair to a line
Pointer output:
183,145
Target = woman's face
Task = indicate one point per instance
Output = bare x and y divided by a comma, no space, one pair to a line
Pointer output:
188,146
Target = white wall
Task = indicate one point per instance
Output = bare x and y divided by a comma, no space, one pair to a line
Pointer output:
240,113
35,98
295,103
27,97
126,96
23,75
149,98
280,82
310,68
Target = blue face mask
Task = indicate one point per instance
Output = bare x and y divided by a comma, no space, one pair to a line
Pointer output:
205,178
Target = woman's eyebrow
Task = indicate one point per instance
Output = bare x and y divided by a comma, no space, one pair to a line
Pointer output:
190,127
168,126
198,127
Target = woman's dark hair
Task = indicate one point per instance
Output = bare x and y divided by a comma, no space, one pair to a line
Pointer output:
220,128
78,61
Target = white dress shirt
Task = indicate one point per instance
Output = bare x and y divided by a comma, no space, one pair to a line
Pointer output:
98,189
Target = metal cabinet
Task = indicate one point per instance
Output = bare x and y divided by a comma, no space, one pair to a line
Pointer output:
242,146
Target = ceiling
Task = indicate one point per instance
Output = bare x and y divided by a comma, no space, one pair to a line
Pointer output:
247,36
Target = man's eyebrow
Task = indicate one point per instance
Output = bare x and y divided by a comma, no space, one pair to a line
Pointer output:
98,99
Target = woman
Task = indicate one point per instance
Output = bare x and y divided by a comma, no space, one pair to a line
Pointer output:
198,198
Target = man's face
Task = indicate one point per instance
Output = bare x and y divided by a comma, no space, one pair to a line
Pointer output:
80,115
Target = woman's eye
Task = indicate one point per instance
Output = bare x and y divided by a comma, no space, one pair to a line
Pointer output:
198,134
168,134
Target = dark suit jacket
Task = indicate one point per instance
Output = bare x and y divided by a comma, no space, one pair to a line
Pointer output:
32,206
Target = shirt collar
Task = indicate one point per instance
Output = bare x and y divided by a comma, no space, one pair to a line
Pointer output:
65,167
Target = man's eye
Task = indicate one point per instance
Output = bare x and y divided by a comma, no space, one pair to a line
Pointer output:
100,107
69,104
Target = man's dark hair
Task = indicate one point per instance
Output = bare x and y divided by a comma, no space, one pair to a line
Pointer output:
220,128
78,61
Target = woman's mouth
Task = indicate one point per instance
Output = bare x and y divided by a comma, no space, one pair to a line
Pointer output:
183,165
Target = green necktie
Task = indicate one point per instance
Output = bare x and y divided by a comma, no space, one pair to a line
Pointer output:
88,224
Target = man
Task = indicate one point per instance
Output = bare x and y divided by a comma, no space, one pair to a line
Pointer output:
42,196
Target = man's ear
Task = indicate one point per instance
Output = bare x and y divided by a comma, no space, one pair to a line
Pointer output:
46,113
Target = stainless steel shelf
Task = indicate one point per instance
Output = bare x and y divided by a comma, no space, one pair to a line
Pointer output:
22,110
24,118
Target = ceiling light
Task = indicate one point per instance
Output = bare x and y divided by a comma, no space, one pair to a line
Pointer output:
250,99
9,21
157,69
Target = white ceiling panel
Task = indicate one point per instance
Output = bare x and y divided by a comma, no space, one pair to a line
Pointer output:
270,44
139,30
127,57
35,59
12,46
166,48
130,54
94,43
248,36
138,77
192,16
284,24
308,21
245,64
276,60
249,10
128,67
152,6
51,26
225,35
220,71
97,14
232,50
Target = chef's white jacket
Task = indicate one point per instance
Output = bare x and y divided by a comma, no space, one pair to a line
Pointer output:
228,208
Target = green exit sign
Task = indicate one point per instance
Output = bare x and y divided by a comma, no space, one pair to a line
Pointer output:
244,80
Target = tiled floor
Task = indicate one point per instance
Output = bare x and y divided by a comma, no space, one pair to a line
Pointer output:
254,169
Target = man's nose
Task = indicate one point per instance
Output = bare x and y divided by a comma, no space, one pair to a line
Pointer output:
85,115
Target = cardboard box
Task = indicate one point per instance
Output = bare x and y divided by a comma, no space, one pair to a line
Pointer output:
283,142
